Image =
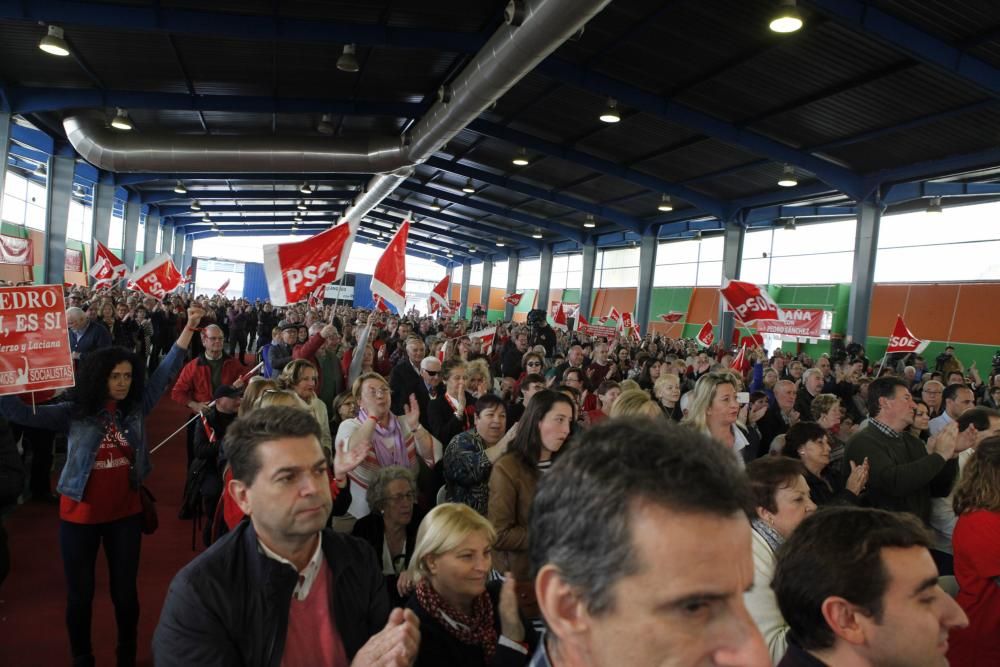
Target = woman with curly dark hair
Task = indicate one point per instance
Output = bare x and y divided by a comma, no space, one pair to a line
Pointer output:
106,461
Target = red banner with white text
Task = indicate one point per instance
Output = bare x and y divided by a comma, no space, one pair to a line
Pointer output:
294,269
34,340
799,322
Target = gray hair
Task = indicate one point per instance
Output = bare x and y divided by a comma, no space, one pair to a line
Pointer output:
812,371
73,312
376,493
581,515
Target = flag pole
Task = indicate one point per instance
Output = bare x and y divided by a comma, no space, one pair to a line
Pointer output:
336,300
183,426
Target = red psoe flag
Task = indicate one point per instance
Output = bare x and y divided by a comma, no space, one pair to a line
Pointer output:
613,314
487,336
513,299
559,319
106,268
316,296
706,336
223,287
295,269
389,279
157,277
438,298
672,317
750,302
741,363
904,341
626,320
188,275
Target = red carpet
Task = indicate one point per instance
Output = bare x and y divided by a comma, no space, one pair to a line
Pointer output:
32,600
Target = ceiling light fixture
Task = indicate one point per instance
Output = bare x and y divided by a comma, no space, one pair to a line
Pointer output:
472,248
180,189
306,189
121,121
297,218
665,204
611,114
348,62
195,206
537,234
697,236
500,243
301,206
206,218
325,127
788,19
589,223
521,159
469,187
435,206
54,43
934,207
788,179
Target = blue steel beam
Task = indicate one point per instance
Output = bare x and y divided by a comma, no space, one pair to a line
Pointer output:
227,25
35,139
290,210
463,223
326,179
772,213
704,202
630,96
543,194
872,21
41,99
903,192
159,196
953,164
455,236
493,209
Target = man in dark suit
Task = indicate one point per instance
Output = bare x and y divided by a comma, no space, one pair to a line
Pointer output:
405,378
779,416
85,337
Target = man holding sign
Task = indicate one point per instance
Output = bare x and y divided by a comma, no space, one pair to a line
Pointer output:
106,462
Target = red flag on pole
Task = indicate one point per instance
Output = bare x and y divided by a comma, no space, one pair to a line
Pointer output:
741,363
580,319
904,341
706,336
750,302
188,275
157,277
223,287
513,299
389,279
438,298
559,319
487,336
294,269
316,296
106,268
613,314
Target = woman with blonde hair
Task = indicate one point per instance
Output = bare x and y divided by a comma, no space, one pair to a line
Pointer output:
667,392
301,376
977,553
478,379
714,411
255,389
280,397
463,619
635,403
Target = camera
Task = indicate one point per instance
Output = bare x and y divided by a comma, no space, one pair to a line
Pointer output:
996,362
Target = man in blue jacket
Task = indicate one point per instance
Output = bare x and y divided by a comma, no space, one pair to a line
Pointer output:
85,336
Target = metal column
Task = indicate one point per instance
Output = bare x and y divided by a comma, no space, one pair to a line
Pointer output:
188,258
484,291
58,192
131,231
178,253
104,202
544,278
732,258
647,267
463,308
869,213
512,265
587,285
149,243
4,147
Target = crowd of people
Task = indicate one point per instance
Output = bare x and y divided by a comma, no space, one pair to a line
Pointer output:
383,489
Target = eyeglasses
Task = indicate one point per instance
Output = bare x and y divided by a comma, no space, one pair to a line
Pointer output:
431,373
213,338
534,363
377,393
407,497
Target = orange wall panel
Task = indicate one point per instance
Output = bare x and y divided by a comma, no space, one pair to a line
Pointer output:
975,319
927,309
704,306
474,294
622,298
887,302
496,299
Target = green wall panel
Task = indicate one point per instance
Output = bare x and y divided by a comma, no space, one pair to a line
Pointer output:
665,299
527,302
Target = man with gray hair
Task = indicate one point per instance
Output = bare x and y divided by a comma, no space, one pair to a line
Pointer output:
641,552
810,387
85,336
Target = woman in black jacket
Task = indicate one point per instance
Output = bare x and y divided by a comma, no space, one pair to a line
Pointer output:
391,527
454,410
463,619
810,443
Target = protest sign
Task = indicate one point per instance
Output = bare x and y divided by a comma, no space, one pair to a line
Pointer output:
34,340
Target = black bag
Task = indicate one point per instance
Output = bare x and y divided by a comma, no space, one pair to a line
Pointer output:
191,500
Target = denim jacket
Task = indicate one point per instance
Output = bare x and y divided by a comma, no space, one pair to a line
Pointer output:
84,435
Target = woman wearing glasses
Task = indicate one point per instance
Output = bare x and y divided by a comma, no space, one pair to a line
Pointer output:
532,362
394,440
391,528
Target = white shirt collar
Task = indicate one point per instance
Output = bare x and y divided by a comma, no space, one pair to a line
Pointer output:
308,575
